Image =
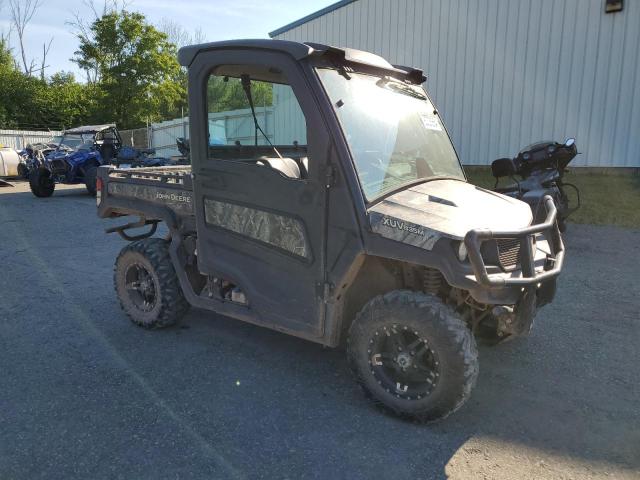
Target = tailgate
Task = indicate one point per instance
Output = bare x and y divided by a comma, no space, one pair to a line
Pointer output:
131,191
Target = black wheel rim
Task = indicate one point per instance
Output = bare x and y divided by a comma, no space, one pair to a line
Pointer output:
140,287
403,363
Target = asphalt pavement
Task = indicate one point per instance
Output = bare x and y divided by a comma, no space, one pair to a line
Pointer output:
86,394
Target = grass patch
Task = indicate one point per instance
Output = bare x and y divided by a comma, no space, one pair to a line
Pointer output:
606,199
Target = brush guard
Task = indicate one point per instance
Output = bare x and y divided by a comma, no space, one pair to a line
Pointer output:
529,275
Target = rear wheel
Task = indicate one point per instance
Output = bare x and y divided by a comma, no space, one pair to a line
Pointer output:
90,176
147,284
413,355
41,183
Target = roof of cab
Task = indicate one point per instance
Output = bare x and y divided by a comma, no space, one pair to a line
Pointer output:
299,51
89,128
295,49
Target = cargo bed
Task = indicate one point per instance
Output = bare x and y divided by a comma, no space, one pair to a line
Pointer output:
154,194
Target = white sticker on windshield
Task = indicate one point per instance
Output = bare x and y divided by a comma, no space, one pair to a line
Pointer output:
430,122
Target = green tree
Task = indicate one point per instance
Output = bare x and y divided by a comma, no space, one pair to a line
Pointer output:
6,65
6,58
31,103
136,71
68,103
22,99
224,94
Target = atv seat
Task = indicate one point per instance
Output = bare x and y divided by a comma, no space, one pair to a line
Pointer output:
287,166
505,167
107,151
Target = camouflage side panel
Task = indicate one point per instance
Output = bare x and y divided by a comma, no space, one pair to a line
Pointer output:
402,231
280,231
180,201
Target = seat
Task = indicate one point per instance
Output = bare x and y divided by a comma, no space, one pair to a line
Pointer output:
107,151
304,163
503,167
287,166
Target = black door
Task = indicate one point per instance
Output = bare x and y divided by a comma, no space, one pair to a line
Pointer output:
260,209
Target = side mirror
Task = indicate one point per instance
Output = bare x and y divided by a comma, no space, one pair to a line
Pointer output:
503,167
570,142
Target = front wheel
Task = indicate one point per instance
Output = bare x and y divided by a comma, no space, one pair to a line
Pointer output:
23,171
90,178
413,355
41,183
147,284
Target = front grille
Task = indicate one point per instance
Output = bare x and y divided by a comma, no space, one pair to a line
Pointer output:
59,166
508,252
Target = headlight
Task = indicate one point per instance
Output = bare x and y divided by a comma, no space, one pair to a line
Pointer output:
462,252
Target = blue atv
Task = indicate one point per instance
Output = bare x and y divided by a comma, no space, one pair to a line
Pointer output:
76,159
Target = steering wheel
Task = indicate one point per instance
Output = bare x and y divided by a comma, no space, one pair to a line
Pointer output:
372,158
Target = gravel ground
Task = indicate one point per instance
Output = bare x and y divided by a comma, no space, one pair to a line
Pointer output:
85,394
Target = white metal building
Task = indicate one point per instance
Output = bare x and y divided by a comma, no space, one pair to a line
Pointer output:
19,139
506,73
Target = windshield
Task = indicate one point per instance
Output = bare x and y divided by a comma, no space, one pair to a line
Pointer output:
74,141
394,134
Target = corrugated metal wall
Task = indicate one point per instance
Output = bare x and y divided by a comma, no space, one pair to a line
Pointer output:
226,127
19,139
289,123
506,73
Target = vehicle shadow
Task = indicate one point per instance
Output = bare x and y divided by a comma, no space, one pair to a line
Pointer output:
21,186
276,406
551,396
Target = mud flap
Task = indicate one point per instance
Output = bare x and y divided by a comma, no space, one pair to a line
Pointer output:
546,292
518,321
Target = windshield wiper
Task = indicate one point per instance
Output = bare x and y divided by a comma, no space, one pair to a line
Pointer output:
412,183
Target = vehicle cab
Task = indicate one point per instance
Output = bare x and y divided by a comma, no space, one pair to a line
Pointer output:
357,173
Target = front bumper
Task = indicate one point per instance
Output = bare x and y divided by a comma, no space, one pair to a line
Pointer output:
529,273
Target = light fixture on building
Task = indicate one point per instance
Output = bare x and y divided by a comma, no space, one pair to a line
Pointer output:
611,6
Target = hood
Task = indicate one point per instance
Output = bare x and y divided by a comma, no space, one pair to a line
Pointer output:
74,157
422,214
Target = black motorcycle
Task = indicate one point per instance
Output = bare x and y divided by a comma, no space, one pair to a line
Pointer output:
540,168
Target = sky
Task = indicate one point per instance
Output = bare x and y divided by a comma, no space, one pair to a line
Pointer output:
218,20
